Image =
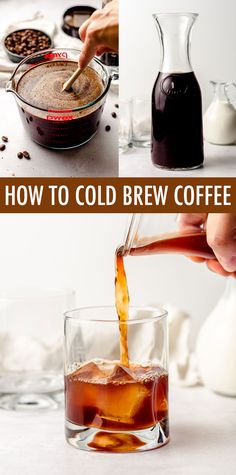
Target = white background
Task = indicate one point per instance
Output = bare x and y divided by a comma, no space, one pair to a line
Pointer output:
213,43
77,251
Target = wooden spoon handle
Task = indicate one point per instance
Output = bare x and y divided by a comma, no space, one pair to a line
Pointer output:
67,85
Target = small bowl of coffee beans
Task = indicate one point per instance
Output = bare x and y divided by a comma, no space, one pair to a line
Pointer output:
22,43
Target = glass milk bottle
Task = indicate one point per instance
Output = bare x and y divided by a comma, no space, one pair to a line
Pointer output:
220,118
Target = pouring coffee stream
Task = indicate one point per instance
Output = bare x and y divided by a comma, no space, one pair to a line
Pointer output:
122,305
191,244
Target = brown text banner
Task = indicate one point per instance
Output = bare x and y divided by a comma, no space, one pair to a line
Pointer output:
117,195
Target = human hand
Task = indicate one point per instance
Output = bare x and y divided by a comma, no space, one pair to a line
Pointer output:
221,237
100,33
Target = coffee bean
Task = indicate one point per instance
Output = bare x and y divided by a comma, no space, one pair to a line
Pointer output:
26,155
25,42
107,128
40,132
4,138
114,115
20,155
117,106
2,147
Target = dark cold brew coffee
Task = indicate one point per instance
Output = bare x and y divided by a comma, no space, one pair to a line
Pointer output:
177,137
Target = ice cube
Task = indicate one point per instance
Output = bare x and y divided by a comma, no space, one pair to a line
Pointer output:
128,396
121,374
125,403
89,372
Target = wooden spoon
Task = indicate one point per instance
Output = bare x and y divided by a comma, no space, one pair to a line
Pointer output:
67,85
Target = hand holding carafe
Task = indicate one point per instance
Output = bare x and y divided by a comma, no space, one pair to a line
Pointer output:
202,237
220,234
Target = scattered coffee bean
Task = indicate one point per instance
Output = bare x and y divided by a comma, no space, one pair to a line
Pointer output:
26,154
27,41
4,138
2,147
20,155
114,115
117,106
107,128
40,132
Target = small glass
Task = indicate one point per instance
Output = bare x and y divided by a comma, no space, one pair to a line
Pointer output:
31,347
110,407
141,122
125,126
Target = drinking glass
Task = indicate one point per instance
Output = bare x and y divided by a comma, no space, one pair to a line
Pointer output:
31,347
109,406
141,122
125,126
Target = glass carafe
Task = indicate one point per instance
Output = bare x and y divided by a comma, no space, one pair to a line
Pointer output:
159,234
177,137
220,118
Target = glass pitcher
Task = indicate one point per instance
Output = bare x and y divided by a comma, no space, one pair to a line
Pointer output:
177,137
219,123
158,234
59,129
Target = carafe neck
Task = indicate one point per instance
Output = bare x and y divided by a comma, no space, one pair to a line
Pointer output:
221,91
143,238
175,36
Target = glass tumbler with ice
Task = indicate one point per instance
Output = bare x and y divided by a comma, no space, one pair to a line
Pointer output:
109,406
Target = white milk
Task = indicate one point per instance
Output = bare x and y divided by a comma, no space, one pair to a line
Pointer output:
216,345
219,123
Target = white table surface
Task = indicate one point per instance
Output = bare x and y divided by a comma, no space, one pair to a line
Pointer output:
203,437
220,161
97,158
